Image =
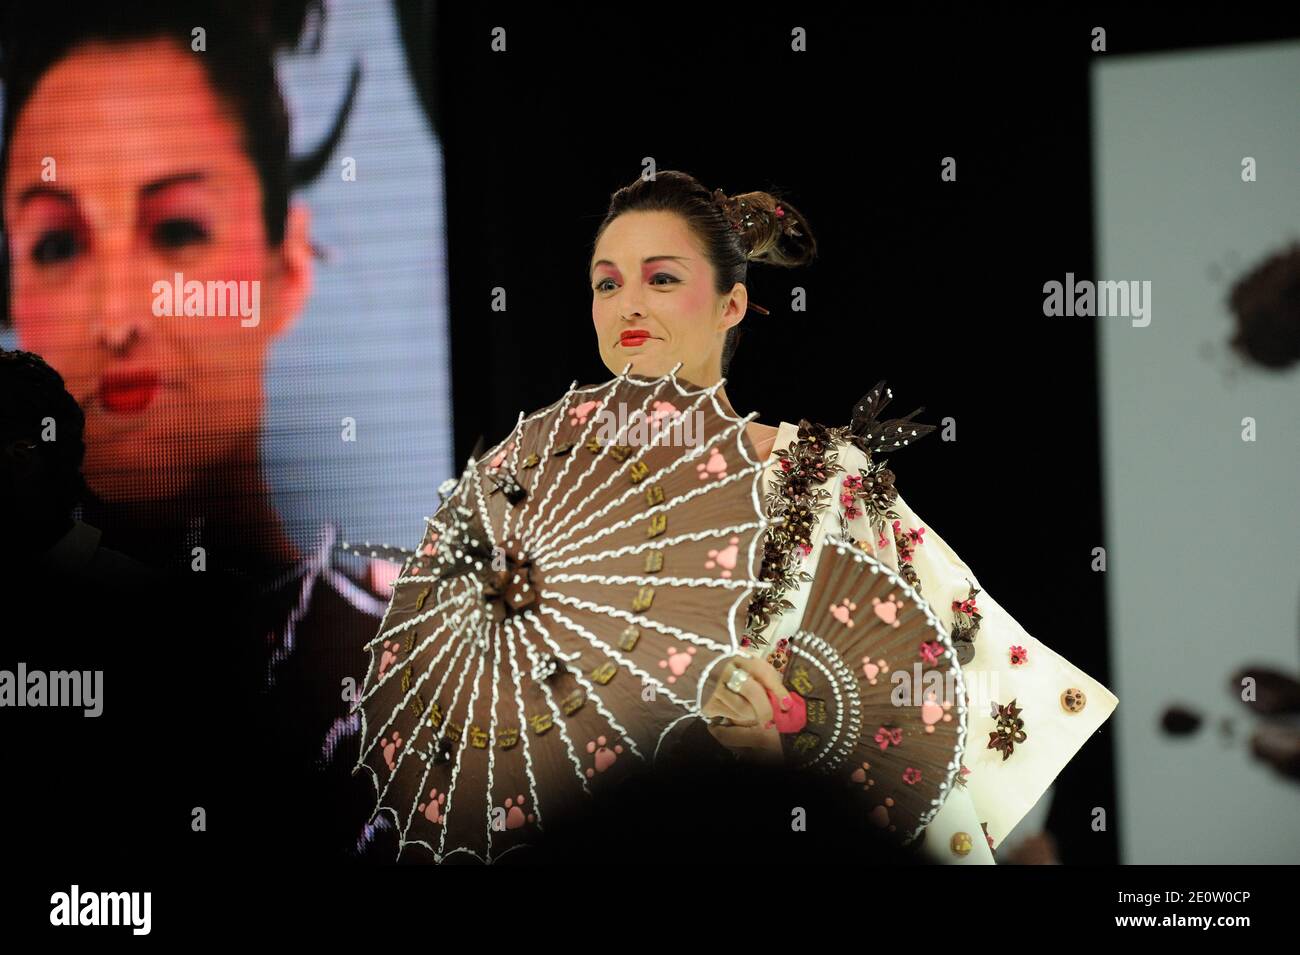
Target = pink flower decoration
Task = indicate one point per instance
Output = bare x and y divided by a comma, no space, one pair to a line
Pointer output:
852,512
915,533
911,775
887,737
1019,656
931,651
806,548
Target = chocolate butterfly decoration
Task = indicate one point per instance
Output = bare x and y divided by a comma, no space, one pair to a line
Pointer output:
871,435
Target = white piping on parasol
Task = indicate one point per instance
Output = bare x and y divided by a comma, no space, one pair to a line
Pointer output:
643,581
658,543
410,744
419,618
546,538
429,763
592,693
639,619
595,641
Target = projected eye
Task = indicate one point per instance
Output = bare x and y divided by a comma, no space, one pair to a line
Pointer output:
600,286
176,233
664,275
57,245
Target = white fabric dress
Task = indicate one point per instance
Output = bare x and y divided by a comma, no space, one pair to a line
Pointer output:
997,793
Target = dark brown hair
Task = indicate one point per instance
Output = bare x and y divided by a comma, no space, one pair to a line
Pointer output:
31,391
743,228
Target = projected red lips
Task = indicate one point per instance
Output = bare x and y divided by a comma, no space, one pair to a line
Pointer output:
128,393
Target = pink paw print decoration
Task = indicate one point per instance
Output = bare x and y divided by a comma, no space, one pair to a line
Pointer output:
715,467
516,816
880,815
678,661
603,755
580,413
872,671
389,656
390,747
433,808
725,558
933,712
663,409
843,611
887,609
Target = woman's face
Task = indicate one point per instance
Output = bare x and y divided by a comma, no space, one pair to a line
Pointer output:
649,275
124,170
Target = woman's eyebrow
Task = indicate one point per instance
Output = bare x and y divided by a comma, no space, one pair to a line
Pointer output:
41,189
166,182
671,258
654,258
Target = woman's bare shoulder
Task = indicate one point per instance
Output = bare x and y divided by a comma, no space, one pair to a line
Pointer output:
763,437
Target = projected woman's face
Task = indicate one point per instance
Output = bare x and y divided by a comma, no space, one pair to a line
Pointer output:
125,171
649,275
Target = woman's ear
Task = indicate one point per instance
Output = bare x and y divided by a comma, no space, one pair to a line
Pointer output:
733,310
294,271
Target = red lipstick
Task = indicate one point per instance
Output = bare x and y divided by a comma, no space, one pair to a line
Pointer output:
128,392
632,337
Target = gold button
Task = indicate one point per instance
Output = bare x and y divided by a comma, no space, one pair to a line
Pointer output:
961,843
1073,700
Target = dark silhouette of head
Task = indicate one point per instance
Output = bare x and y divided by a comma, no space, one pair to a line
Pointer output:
41,450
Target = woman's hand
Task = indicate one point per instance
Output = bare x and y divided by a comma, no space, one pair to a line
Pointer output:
752,733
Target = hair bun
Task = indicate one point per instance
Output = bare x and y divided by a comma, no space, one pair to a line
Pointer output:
769,229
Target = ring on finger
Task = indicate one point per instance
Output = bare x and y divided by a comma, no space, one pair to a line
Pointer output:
737,680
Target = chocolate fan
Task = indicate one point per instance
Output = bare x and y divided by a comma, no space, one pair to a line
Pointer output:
878,692
564,610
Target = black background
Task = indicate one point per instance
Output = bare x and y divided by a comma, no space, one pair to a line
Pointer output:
935,287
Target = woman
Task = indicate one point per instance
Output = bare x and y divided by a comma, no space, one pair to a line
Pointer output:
668,273
134,153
